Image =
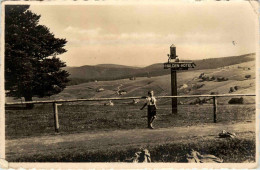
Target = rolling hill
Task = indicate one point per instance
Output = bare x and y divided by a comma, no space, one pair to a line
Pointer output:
189,82
101,72
104,72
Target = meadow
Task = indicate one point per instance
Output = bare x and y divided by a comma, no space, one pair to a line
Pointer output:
92,132
97,133
75,118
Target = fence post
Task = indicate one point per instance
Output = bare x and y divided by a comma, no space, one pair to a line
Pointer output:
56,117
215,108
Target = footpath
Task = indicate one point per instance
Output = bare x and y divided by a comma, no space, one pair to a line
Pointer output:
102,140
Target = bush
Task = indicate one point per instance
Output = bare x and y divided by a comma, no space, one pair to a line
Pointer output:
198,86
212,78
237,87
248,76
236,101
201,75
199,101
231,90
222,79
212,93
205,78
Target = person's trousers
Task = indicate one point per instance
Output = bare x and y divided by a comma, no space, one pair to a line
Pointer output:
151,113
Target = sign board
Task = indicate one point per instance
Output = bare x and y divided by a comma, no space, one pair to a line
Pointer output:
175,64
179,65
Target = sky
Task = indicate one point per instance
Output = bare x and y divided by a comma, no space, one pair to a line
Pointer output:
140,35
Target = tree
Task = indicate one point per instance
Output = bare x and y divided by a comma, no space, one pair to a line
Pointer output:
31,66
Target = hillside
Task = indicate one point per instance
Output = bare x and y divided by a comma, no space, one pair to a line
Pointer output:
115,66
188,83
113,72
101,72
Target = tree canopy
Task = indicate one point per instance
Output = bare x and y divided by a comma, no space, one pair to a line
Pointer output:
31,66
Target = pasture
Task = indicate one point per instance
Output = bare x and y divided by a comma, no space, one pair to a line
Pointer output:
92,132
79,118
165,145
97,133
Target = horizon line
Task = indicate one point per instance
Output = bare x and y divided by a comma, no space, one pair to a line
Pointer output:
141,66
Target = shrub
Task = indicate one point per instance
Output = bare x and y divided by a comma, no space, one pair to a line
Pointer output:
231,90
222,79
199,101
212,78
248,76
201,75
212,93
205,78
236,101
198,86
237,87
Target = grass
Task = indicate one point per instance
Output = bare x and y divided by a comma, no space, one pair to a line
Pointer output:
77,118
82,117
230,150
94,117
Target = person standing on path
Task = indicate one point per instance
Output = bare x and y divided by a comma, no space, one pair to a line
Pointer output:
151,103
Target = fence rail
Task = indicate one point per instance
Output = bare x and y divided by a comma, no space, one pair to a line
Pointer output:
123,98
56,103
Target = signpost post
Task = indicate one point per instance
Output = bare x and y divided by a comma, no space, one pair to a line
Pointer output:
174,64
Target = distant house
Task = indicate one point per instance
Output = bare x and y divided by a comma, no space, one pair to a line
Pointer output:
132,78
100,89
96,81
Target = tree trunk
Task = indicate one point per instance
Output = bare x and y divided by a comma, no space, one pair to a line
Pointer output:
27,99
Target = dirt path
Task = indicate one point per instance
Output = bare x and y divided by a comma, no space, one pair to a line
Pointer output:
122,138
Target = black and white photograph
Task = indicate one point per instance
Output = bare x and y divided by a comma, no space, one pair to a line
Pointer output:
130,83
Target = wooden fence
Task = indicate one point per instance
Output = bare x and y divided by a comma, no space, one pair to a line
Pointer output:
56,103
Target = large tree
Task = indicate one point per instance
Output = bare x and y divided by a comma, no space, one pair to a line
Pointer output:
31,66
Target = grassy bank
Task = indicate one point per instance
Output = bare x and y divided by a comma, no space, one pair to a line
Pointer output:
230,150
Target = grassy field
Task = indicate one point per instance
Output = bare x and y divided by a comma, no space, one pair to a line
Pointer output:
30,133
79,118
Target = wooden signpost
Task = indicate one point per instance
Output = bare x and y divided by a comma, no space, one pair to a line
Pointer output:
174,64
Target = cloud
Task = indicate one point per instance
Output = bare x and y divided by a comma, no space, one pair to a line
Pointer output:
143,33
88,32
96,37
